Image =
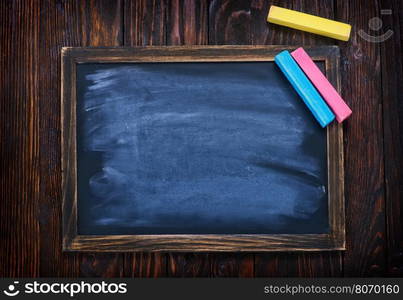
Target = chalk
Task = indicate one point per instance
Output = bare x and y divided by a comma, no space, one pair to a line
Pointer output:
304,88
325,88
309,23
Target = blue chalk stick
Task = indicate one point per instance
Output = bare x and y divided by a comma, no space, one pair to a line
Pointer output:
304,88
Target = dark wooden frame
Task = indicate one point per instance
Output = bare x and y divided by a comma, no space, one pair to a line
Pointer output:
335,240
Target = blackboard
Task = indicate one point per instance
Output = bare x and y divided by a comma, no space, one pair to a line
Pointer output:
197,148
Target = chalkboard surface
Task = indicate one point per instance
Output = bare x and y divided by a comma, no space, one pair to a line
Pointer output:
196,148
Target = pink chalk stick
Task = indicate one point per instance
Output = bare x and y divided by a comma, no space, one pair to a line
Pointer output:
325,88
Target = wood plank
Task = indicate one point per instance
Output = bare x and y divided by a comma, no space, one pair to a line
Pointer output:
145,24
321,264
19,150
187,24
106,265
54,16
145,264
232,265
206,243
101,23
392,101
230,22
188,265
365,189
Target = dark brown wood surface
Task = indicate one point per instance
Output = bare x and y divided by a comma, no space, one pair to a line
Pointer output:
363,146
31,36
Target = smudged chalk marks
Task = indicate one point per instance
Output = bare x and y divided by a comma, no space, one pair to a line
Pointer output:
197,148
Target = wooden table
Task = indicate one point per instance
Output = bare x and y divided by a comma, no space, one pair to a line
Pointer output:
32,35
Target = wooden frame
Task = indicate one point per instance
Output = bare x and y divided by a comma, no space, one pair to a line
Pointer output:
335,240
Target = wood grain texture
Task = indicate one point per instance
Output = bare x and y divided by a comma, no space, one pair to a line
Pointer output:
365,187
145,22
188,265
22,185
392,99
324,264
187,22
204,243
54,16
19,145
232,265
145,25
102,265
145,264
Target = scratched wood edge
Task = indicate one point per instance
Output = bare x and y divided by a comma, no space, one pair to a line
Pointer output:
335,240
203,243
20,176
365,189
68,149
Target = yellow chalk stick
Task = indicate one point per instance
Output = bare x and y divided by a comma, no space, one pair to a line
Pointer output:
310,23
